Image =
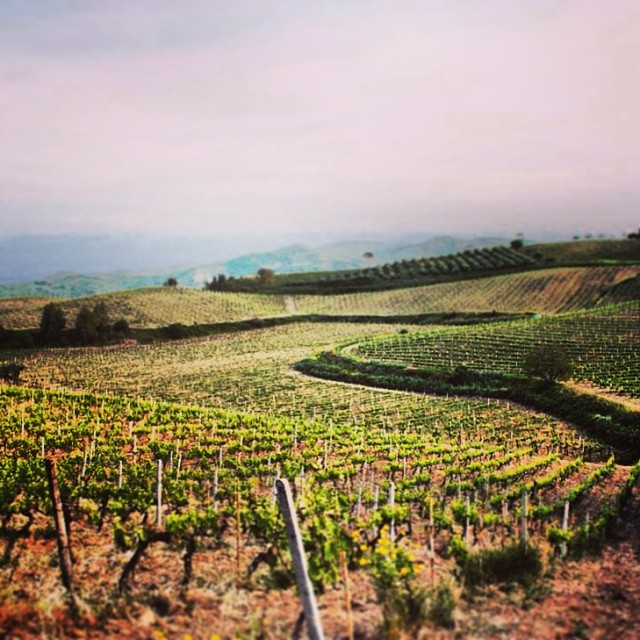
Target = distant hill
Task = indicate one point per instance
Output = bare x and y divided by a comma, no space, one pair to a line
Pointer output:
295,258
546,291
596,251
205,258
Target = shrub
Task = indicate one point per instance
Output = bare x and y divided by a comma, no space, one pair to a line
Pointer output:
121,327
516,563
550,363
52,323
86,326
176,331
11,371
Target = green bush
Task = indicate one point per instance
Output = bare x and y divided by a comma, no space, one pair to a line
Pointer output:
520,563
10,371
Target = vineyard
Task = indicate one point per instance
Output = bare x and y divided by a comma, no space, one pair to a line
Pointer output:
151,308
422,515
382,507
603,345
543,291
469,263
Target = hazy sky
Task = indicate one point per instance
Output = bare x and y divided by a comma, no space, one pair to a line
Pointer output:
270,115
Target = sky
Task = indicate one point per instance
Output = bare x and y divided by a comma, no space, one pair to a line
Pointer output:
342,116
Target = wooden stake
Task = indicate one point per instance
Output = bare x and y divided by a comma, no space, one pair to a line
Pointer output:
347,594
432,551
159,496
309,604
565,526
523,518
391,503
64,548
238,552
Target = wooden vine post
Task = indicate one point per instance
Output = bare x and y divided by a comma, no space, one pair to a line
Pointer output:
64,547
159,495
309,604
432,551
523,517
391,503
565,526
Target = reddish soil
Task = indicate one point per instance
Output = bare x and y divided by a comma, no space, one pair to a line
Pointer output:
597,597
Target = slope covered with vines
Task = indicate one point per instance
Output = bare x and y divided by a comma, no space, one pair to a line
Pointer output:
187,489
603,345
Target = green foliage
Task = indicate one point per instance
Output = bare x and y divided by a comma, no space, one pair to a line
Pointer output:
520,563
393,568
219,283
121,327
550,363
441,605
92,325
52,323
101,318
556,535
177,331
10,371
266,276
86,328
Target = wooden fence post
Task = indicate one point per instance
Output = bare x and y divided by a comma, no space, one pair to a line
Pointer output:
309,604
565,526
159,495
64,549
523,517
391,503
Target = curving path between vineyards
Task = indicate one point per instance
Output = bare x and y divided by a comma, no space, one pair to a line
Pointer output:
612,422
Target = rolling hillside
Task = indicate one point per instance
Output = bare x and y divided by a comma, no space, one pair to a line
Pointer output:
602,343
540,291
587,251
166,455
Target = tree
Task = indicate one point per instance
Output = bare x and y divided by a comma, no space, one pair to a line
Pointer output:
86,326
266,276
52,323
101,318
217,284
121,327
517,244
548,362
170,282
634,236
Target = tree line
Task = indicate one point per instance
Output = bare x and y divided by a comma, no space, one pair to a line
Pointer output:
91,326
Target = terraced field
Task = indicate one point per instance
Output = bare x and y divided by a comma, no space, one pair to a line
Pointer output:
603,345
152,308
403,501
541,291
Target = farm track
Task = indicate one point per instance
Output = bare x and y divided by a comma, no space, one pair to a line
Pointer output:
584,387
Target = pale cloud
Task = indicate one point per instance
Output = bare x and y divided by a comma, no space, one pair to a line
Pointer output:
130,115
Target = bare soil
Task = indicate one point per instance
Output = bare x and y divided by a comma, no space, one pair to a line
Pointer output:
596,597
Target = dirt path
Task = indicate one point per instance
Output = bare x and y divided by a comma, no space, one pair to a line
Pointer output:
589,389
